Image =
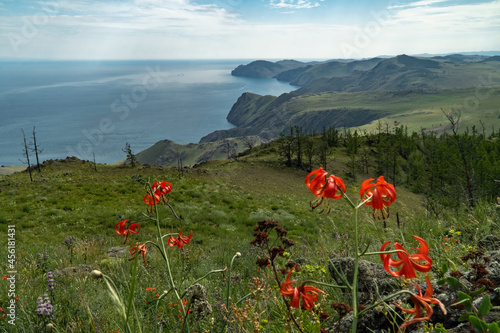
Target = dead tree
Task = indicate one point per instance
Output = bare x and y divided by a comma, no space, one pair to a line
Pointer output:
26,154
37,150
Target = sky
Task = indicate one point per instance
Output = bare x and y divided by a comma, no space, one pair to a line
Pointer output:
244,29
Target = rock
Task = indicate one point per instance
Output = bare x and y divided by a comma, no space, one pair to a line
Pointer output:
117,252
375,320
373,279
199,303
489,243
81,269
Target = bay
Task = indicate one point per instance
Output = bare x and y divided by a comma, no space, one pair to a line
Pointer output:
83,107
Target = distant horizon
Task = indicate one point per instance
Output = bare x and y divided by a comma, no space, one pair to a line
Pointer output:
479,53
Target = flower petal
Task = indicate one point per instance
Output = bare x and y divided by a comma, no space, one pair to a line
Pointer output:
120,228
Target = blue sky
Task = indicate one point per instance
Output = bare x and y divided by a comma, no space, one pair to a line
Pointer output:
244,29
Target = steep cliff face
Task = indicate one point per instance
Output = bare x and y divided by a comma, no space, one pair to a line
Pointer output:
245,108
259,69
266,69
268,116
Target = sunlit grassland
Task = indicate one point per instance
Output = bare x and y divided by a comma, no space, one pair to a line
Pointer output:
415,109
221,202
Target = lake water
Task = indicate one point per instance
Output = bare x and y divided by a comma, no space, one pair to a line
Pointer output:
85,107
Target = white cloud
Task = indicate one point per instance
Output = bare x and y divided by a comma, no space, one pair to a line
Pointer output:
467,17
418,4
294,4
187,29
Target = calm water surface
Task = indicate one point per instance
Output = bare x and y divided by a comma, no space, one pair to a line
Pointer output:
80,108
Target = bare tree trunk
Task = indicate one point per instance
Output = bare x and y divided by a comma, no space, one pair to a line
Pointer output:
95,165
26,154
36,150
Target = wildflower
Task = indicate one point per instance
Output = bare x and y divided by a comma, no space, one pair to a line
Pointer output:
50,282
324,187
309,294
139,248
380,197
44,307
318,182
161,189
409,261
69,241
133,228
422,302
180,240
151,200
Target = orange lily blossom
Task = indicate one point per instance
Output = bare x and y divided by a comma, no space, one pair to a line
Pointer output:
139,248
309,294
180,240
317,183
133,228
382,195
151,200
161,189
410,262
324,187
422,302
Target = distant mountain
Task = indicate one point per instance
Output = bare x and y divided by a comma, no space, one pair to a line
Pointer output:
326,101
459,58
304,75
300,73
494,58
403,73
407,89
266,69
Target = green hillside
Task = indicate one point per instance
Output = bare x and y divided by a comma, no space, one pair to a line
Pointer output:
409,73
417,109
221,203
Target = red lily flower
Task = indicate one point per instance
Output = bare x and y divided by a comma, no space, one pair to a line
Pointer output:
422,302
133,228
180,240
318,182
409,261
139,248
161,189
309,294
382,195
324,187
151,200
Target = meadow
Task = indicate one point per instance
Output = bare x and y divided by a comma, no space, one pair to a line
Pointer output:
65,224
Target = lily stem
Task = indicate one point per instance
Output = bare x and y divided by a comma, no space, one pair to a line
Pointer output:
167,261
355,277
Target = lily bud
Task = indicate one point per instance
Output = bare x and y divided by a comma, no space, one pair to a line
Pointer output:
96,274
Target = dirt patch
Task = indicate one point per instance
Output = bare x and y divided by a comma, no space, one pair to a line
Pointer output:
10,169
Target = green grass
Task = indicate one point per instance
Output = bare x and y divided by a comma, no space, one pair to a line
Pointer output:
221,202
417,110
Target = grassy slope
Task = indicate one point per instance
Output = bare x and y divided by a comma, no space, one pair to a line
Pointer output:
220,201
166,152
417,110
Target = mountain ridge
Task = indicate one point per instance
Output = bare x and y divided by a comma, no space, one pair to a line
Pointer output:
358,93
